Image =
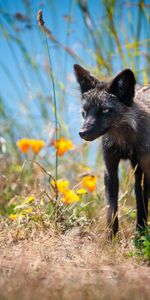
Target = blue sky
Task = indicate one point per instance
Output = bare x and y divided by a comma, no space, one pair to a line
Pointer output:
55,16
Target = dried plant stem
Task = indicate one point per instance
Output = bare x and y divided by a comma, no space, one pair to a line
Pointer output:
46,31
55,107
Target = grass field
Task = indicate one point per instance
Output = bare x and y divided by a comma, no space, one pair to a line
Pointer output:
55,251
77,264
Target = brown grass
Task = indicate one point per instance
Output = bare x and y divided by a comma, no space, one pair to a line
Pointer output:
75,265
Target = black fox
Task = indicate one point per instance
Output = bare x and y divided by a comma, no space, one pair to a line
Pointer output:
119,111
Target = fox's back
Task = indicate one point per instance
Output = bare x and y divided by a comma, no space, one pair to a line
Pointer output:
142,97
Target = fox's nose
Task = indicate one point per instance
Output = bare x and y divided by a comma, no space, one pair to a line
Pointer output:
83,134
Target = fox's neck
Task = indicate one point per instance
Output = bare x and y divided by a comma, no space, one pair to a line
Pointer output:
125,129
123,136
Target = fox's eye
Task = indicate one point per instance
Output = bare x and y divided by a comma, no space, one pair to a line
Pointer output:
83,114
105,111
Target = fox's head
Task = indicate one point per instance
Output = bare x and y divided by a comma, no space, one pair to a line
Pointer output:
103,103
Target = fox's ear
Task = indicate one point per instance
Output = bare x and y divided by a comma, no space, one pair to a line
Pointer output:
85,80
123,86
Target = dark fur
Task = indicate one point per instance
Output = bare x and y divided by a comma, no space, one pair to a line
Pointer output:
120,112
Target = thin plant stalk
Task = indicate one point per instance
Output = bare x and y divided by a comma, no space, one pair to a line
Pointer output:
41,24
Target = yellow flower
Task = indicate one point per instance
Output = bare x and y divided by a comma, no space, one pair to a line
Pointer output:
23,145
37,145
26,211
89,182
62,185
13,216
29,199
81,191
63,145
70,197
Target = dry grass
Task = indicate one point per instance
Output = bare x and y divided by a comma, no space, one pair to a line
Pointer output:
75,265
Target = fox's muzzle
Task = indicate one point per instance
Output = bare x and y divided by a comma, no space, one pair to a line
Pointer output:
88,134
92,133
85,134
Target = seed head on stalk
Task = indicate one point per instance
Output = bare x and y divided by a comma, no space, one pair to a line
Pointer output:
40,18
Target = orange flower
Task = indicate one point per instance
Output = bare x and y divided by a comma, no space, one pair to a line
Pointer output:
89,182
37,145
69,196
63,145
23,145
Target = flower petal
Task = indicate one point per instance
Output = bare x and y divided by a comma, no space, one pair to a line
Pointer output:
89,182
